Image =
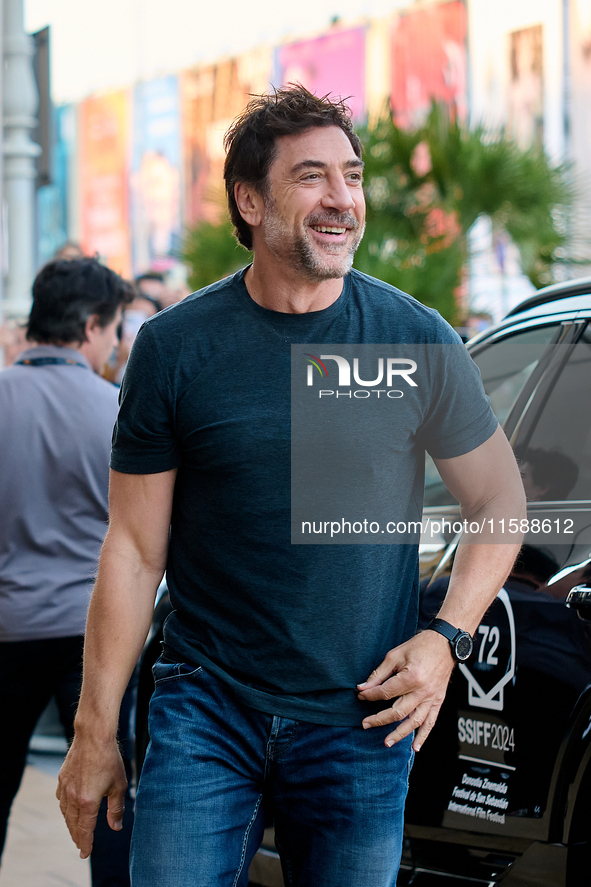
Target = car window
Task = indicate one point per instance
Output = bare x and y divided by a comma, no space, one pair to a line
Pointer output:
557,458
505,366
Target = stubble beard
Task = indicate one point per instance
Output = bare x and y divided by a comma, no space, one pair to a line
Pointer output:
293,248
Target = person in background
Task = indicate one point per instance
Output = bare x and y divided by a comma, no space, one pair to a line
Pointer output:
56,420
163,291
70,250
135,314
13,335
152,295
152,287
12,341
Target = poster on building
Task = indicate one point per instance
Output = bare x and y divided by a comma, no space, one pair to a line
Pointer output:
429,61
525,113
580,118
54,227
155,181
332,63
212,96
104,167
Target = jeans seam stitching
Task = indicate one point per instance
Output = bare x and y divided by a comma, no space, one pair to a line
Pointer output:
245,841
176,677
285,862
270,745
276,754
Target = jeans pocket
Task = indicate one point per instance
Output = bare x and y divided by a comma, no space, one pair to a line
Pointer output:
165,670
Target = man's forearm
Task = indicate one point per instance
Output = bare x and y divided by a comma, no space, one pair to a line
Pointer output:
119,619
486,482
484,558
130,569
478,574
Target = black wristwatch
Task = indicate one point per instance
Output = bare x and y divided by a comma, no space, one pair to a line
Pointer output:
460,641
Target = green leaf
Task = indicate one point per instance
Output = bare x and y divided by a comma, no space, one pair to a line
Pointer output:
212,252
440,177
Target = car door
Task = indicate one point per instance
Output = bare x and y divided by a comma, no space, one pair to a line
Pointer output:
489,768
510,363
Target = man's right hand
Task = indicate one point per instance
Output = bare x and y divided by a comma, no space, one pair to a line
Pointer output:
132,563
91,772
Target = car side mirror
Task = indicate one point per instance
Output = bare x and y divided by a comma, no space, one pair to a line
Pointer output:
579,599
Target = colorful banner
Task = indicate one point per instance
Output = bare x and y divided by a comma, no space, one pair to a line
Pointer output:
580,123
580,50
212,96
333,63
198,92
429,61
156,175
53,223
104,127
525,112
580,45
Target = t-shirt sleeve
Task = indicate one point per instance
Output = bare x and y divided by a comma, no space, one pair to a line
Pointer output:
459,417
144,439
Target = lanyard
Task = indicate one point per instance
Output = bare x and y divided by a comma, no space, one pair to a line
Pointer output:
50,361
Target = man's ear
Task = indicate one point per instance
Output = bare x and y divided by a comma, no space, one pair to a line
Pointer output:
91,325
250,204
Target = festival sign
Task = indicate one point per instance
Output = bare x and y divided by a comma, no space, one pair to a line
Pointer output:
156,174
484,774
332,63
104,127
429,61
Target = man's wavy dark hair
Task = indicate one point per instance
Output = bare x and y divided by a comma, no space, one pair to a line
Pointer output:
251,141
67,292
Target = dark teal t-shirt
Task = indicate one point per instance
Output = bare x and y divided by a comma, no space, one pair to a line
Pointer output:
291,627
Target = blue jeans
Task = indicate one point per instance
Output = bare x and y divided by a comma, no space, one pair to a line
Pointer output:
217,772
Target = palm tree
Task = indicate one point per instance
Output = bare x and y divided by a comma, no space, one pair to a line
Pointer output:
211,252
426,187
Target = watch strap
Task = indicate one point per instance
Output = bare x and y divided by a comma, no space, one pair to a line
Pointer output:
460,641
445,628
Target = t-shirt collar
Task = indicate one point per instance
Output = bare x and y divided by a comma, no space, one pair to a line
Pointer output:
54,351
298,321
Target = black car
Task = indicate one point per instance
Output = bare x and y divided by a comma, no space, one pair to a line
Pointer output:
501,791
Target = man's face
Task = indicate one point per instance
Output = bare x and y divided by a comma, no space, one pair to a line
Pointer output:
314,208
100,342
153,288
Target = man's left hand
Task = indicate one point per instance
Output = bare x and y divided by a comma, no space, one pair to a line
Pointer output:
415,675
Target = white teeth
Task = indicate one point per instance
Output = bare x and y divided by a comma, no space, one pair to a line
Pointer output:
325,230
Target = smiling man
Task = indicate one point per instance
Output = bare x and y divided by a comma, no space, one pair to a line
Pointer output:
292,679
322,244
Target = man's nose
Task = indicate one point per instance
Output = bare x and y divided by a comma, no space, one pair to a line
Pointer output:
338,195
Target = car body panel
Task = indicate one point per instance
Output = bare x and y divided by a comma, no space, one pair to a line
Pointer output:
472,806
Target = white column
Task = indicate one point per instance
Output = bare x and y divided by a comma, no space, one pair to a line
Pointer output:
20,102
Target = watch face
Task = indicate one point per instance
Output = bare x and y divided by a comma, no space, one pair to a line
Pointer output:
463,647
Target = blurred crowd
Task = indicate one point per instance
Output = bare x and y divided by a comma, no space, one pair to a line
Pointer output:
154,292
57,416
